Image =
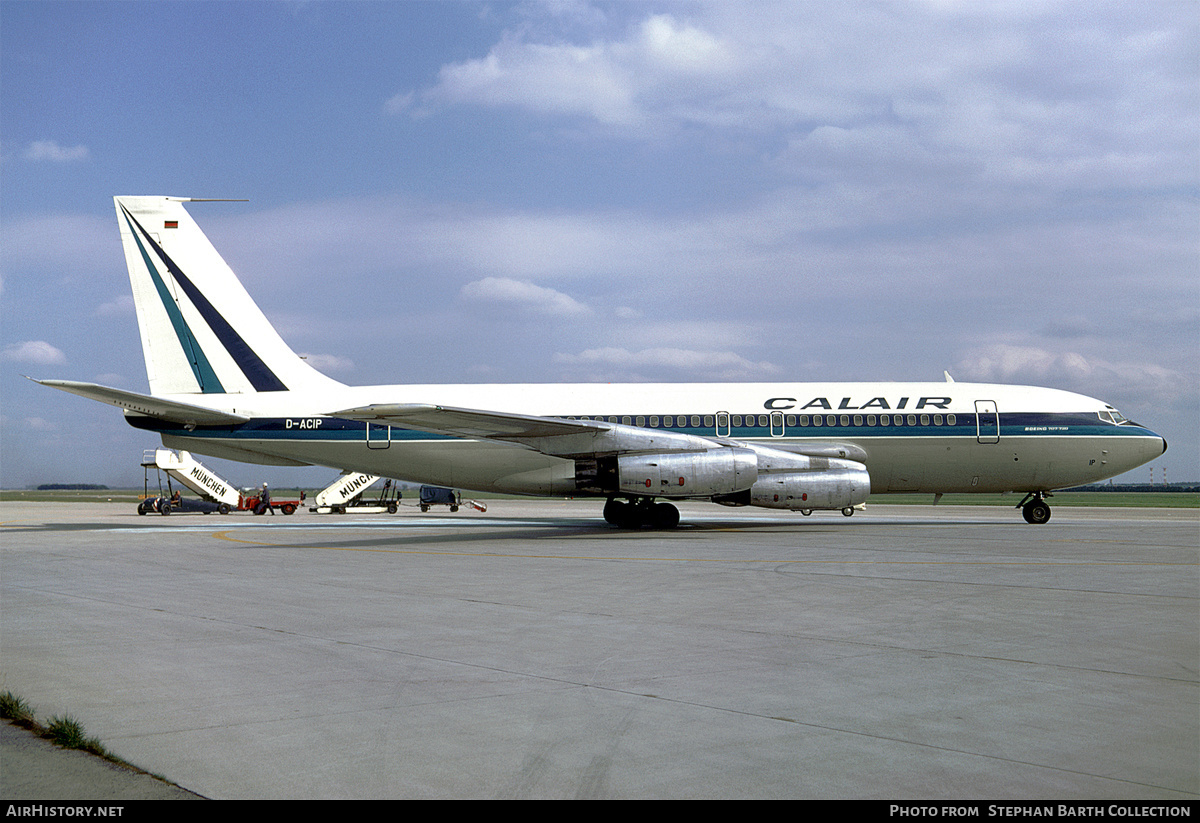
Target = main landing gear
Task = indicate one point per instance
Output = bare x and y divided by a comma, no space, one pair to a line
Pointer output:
634,514
1034,508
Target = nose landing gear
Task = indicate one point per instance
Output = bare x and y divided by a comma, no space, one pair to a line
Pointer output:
1034,508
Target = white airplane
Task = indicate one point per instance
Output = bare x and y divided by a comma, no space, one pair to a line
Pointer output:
224,383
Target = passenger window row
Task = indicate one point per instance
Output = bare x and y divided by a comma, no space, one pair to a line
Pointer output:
739,421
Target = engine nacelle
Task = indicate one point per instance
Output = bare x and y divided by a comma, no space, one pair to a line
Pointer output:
787,480
675,475
838,487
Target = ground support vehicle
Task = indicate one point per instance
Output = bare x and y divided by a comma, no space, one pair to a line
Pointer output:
251,501
216,493
175,502
349,493
438,496
169,500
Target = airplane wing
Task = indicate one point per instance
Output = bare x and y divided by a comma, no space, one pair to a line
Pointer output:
554,436
461,422
145,404
571,438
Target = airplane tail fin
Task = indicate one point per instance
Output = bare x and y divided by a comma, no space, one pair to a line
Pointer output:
201,331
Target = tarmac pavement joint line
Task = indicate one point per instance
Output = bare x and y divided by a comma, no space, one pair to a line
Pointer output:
225,535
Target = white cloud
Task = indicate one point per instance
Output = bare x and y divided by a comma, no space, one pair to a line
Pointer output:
680,48
558,79
400,103
1021,94
116,307
390,234
621,83
63,241
1007,363
37,352
709,364
523,294
707,335
329,363
50,151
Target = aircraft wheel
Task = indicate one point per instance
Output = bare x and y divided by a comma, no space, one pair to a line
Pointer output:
848,511
614,511
634,516
664,516
1037,512
625,515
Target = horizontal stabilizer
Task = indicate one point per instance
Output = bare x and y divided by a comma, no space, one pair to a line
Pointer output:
145,404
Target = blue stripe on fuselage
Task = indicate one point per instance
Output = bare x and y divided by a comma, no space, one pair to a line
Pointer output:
286,428
1081,424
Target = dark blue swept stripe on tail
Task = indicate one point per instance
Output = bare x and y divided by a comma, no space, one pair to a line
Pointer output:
257,372
202,370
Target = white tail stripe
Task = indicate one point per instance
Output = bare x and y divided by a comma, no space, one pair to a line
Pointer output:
252,366
201,331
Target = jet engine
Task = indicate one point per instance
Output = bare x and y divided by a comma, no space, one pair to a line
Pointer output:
803,483
829,489
673,475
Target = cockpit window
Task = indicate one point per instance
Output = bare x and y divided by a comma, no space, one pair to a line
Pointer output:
1113,416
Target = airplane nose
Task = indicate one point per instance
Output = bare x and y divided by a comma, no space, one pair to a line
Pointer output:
1154,434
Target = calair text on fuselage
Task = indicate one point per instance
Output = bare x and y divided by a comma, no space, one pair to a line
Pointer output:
846,404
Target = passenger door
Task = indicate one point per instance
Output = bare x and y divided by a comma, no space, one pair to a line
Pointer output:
987,421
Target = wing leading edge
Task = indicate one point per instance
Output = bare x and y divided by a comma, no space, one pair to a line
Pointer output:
561,437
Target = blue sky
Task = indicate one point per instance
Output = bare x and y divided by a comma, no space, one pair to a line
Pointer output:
571,191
